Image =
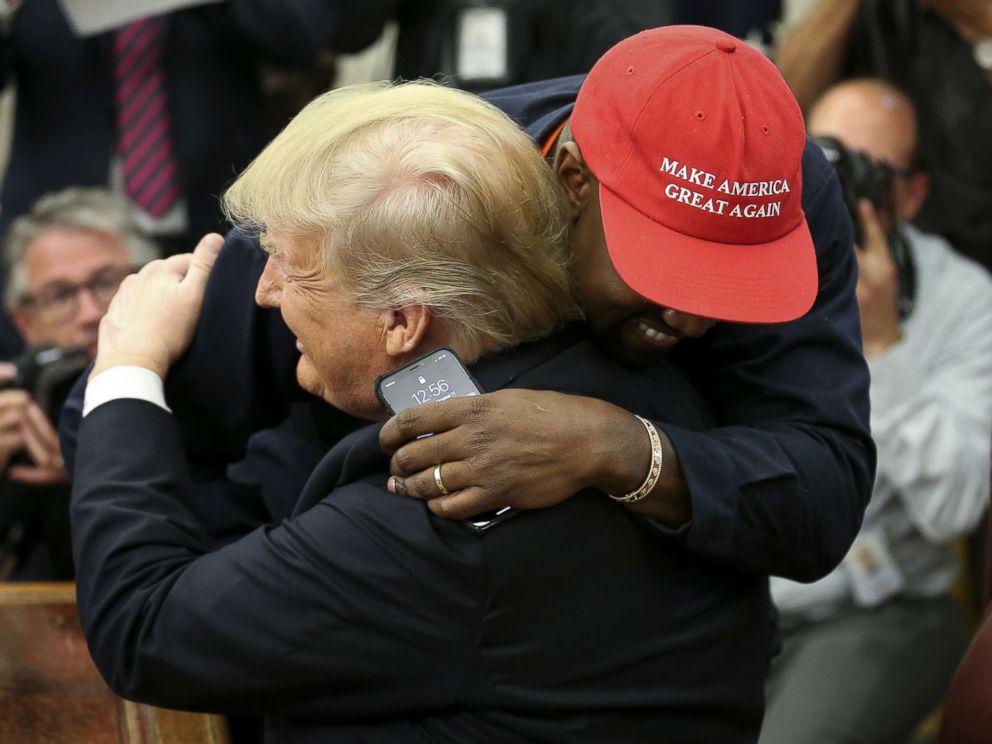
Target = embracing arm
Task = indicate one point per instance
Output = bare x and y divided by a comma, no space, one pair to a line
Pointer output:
301,620
496,448
778,488
277,622
782,485
238,374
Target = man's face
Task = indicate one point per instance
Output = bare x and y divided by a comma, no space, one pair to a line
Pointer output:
340,343
630,328
881,127
71,278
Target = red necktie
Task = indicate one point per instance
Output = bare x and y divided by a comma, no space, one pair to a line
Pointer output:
144,139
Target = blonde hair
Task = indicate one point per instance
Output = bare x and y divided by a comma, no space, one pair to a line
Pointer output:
420,194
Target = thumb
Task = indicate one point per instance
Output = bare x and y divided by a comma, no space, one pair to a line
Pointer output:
204,256
7,372
873,236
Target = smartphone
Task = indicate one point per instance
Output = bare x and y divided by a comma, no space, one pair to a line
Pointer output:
437,376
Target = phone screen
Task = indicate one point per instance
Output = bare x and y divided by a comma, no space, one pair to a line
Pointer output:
432,378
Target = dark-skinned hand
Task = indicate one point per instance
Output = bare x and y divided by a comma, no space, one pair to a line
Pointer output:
521,448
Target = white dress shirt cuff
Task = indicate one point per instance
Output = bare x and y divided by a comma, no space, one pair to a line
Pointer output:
124,382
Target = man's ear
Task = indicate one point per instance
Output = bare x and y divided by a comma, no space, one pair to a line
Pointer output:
405,328
574,177
917,188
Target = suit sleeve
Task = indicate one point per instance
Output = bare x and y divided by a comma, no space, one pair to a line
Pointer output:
239,374
538,108
781,486
237,378
225,508
334,614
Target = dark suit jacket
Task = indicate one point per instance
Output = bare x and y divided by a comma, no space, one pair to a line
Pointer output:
365,618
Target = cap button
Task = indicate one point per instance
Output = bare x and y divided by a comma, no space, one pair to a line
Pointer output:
726,45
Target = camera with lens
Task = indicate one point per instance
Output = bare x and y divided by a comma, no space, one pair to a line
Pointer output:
47,374
27,510
862,177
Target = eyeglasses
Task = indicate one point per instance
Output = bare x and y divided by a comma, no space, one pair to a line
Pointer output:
58,302
899,172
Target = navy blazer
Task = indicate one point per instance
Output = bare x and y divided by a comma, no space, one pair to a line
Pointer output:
366,618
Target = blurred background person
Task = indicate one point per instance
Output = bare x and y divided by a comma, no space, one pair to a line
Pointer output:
938,52
64,260
164,110
869,650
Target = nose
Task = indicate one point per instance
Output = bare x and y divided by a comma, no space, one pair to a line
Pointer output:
268,293
91,310
691,326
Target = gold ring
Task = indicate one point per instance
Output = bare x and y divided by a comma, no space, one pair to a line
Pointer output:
440,483
57,461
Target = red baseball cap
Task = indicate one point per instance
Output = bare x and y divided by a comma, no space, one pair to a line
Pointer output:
697,143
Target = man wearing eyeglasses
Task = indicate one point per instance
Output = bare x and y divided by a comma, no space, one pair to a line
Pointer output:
64,262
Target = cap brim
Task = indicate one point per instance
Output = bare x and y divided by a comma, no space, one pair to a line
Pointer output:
758,283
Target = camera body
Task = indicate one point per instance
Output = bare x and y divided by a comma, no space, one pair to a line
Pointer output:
47,374
861,177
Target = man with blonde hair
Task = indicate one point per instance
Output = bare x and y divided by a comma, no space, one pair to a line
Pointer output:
397,219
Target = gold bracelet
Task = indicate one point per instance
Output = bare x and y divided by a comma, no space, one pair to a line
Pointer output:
654,470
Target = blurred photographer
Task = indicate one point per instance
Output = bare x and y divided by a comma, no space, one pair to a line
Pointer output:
64,261
869,650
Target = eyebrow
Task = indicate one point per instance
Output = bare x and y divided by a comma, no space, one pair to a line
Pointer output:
267,245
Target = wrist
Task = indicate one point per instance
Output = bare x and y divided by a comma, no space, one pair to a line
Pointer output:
623,455
876,344
654,468
108,361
